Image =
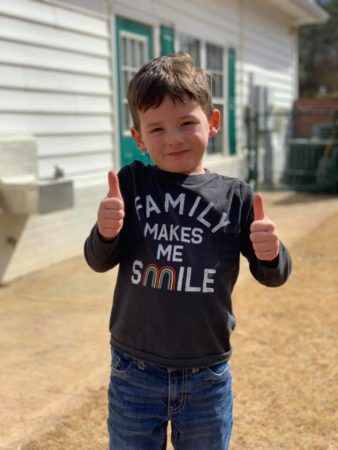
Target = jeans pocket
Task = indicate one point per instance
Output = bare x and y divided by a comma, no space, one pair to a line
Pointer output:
218,371
120,363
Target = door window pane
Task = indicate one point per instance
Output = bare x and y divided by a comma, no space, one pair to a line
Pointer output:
127,123
139,58
128,52
124,51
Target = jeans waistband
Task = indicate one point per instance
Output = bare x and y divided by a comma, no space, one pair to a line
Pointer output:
141,364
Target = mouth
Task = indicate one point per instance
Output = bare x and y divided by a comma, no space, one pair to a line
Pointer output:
177,153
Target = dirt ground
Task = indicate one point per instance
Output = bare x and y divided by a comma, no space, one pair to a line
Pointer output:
284,362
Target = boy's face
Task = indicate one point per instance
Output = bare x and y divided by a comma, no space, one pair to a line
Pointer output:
176,135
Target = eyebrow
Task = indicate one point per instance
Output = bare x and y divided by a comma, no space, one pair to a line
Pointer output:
157,124
153,124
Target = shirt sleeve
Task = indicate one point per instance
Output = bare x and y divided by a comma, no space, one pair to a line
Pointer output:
101,255
270,273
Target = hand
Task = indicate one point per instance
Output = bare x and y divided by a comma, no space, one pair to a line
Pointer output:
263,234
111,210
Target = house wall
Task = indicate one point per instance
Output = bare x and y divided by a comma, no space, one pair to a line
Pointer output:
269,53
270,58
57,84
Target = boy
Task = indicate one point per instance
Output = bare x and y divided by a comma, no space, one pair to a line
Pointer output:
177,231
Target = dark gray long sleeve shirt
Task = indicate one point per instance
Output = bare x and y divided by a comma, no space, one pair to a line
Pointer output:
178,255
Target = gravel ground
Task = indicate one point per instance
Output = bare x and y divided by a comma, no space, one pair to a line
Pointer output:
284,362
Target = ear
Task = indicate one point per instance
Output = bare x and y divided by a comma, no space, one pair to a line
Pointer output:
138,139
214,122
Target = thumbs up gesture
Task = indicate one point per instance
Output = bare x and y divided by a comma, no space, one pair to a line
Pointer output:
263,234
111,210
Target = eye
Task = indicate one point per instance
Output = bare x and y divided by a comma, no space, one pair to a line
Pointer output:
156,130
188,123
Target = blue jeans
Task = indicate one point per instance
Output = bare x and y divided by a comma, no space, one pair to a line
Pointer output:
143,397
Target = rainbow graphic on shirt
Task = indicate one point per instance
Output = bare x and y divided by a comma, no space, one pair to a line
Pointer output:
157,277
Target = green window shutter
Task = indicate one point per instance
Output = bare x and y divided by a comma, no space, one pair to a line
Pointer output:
167,40
232,100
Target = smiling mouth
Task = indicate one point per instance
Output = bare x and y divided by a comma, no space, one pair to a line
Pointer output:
181,152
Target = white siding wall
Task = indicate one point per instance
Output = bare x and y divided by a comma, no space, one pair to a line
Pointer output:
270,57
268,52
55,84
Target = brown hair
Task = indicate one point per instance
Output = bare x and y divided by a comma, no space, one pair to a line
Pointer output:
175,76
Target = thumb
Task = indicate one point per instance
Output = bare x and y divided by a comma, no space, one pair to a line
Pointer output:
114,187
258,207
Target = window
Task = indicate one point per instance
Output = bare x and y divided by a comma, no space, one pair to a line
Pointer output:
210,57
133,55
192,46
215,67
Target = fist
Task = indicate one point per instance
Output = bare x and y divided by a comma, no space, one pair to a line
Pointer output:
111,210
263,233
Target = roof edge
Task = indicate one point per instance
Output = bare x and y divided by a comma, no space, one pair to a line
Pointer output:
304,12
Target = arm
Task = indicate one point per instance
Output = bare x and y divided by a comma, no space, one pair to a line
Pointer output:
269,260
101,254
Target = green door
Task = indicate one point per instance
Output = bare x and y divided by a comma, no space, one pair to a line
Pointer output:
134,43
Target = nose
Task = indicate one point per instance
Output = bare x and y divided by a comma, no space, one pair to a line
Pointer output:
175,137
